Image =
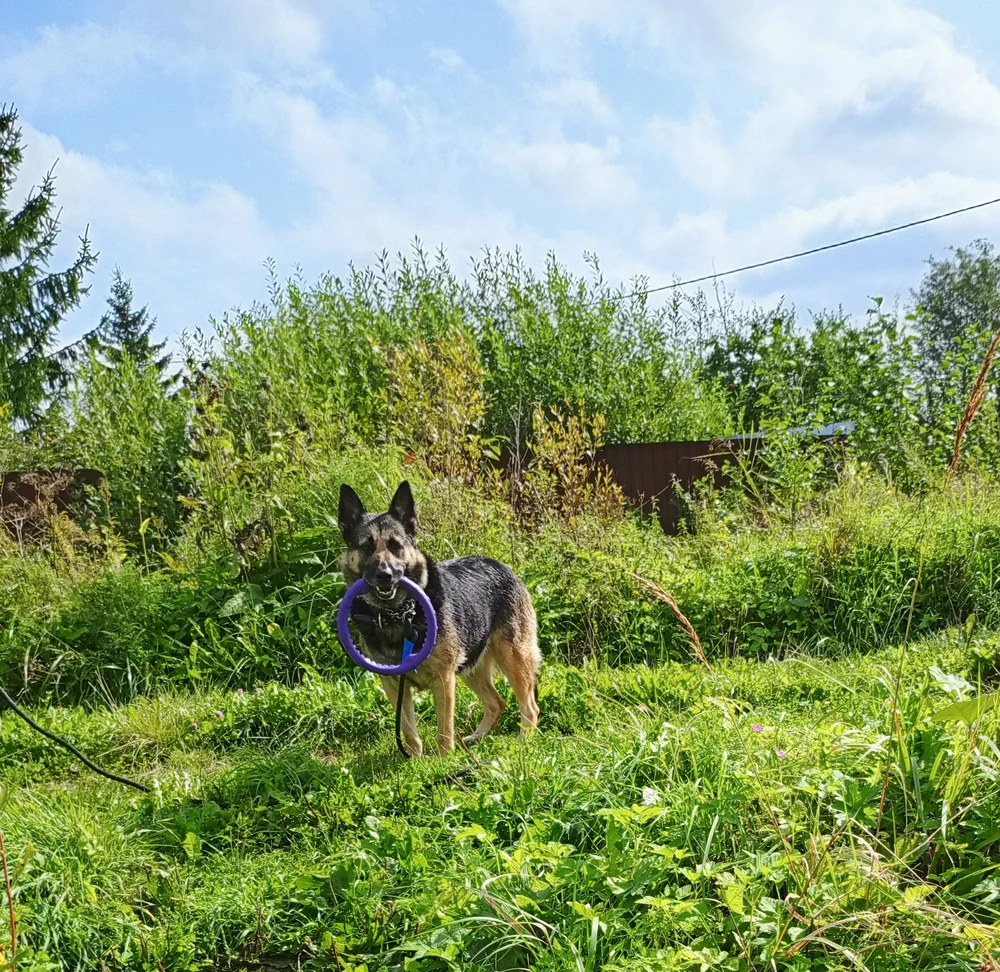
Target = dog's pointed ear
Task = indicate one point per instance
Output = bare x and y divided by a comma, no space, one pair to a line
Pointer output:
402,508
350,511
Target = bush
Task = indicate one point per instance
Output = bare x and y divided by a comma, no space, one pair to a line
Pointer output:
126,425
226,494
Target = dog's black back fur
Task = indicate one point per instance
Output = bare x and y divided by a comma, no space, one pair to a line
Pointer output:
481,594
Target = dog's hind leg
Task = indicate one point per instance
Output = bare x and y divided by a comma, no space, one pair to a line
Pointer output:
522,680
480,680
390,685
519,659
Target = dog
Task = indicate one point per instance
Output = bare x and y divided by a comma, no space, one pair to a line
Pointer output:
484,612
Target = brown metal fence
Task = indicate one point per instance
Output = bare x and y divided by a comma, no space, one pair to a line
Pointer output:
649,472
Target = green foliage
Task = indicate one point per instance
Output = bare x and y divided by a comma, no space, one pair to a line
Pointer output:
956,316
958,308
128,427
759,361
126,332
404,354
335,357
553,339
562,478
16,450
780,378
798,814
824,797
867,374
33,301
434,402
837,571
318,353
402,370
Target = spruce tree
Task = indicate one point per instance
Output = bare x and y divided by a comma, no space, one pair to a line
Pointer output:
33,301
124,330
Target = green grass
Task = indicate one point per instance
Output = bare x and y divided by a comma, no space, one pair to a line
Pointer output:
797,808
782,815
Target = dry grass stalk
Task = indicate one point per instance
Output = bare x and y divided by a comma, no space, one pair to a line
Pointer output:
975,401
661,595
10,905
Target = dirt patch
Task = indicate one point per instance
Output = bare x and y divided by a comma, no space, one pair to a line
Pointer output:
29,499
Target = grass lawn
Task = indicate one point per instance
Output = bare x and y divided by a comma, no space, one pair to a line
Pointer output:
767,815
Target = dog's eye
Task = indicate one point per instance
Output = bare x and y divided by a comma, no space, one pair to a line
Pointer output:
368,545
394,546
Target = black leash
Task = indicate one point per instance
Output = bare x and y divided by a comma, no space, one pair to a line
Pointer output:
399,716
76,752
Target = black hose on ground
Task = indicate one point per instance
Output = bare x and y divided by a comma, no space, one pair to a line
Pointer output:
13,706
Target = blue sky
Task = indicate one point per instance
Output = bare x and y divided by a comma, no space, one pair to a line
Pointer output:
198,138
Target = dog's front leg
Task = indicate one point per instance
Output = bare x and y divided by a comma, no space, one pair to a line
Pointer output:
390,685
444,703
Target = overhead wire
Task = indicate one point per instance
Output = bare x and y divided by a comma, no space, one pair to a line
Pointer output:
645,291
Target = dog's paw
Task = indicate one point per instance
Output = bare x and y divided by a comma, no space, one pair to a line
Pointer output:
471,740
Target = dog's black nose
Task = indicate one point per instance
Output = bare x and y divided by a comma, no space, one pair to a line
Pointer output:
383,576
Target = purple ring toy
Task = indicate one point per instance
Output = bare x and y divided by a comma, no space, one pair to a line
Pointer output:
410,661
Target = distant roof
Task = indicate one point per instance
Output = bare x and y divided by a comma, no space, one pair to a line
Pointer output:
825,431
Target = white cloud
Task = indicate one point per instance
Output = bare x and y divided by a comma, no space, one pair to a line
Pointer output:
744,131
554,28
698,150
698,244
273,28
375,186
286,33
73,64
582,174
875,206
836,118
878,69
67,64
579,94
448,59
386,91
338,156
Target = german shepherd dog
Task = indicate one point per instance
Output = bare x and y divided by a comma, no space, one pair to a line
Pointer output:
484,613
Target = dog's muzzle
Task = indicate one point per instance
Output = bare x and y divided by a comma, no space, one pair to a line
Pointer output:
385,583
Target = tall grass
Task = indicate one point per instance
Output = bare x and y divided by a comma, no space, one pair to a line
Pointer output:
840,575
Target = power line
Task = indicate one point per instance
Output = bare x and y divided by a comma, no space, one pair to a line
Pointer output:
801,253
